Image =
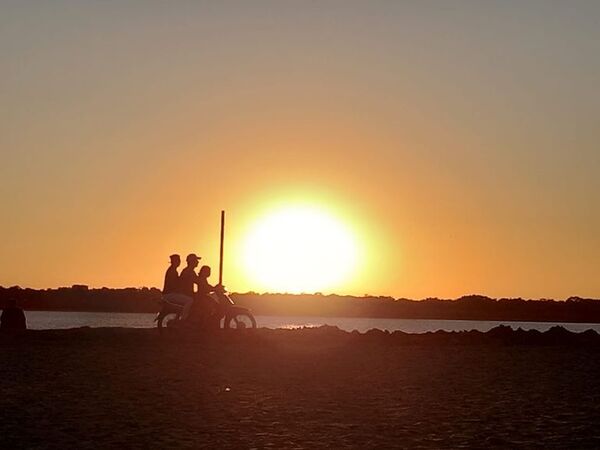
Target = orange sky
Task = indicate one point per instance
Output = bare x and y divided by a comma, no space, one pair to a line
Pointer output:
460,143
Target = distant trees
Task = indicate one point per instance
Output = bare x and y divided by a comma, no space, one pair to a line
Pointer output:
468,307
81,298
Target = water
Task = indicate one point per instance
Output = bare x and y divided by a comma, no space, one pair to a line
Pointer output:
41,320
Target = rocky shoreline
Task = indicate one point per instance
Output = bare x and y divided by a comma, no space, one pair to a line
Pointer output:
303,388
500,335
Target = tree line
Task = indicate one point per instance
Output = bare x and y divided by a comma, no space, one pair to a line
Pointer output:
469,307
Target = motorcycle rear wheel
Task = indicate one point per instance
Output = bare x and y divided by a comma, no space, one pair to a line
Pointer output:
168,322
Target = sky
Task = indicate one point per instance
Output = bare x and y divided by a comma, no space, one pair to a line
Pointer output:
458,140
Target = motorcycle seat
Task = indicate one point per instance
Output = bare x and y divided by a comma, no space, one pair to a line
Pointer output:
168,303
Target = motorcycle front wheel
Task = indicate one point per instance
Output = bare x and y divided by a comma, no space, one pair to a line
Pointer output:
239,321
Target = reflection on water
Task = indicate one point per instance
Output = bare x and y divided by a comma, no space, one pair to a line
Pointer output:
40,320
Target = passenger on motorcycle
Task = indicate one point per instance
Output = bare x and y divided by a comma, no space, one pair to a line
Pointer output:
211,308
180,289
204,287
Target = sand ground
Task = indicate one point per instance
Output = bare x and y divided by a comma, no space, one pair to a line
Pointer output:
119,388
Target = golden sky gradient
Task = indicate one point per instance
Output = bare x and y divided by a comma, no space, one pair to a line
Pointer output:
459,140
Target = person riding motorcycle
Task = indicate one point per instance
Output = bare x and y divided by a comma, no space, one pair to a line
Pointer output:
210,303
171,290
181,292
212,309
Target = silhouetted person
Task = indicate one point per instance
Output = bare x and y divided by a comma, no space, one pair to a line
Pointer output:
13,318
171,285
204,287
173,290
214,310
187,280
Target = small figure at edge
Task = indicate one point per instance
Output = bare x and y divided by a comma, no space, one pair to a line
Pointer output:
13,317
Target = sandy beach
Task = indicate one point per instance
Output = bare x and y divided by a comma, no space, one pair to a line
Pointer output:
311,388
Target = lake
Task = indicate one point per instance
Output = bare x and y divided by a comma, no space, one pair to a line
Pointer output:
43,320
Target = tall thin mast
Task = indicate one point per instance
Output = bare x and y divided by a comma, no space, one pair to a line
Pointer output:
221,249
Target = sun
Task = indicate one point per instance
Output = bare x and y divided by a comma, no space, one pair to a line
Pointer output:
298,249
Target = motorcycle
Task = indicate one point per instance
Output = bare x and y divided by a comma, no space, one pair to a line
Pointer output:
229,315
216,310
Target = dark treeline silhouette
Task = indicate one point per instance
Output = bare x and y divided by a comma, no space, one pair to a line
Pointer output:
81,298
470,307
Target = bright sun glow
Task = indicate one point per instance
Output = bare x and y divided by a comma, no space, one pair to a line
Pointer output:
300,249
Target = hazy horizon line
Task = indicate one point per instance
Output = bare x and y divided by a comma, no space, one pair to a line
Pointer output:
317,293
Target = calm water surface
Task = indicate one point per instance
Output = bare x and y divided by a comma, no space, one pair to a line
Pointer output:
42,320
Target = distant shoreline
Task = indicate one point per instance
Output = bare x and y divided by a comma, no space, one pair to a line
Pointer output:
317,315
80,298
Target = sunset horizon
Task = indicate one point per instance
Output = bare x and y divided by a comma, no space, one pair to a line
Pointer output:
336,224
455,145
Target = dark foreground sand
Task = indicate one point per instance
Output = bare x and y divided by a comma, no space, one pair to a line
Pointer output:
322,388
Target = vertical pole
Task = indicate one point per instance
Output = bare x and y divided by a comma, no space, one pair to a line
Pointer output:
221,249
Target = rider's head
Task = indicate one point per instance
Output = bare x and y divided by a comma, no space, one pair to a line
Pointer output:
192,260
175,260
204,272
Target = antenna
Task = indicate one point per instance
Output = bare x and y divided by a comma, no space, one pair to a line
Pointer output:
221,249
